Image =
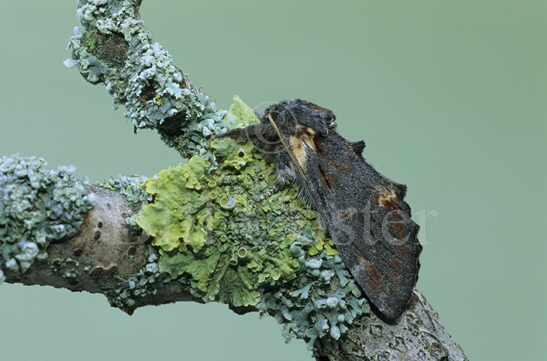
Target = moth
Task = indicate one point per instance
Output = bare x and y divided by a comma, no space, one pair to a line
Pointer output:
365,212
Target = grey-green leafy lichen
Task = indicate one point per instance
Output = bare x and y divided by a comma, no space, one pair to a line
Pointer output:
114,47
37,206
219,239
317,309
130,187
137,286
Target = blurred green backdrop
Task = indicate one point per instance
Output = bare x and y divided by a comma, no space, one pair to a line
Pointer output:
449,96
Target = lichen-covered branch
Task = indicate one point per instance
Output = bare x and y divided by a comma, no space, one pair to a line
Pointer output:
113,47
57,229
212,242
198,231
37,206
419,335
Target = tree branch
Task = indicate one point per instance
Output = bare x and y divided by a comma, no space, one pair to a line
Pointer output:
113,47
104,256
419,335
210,238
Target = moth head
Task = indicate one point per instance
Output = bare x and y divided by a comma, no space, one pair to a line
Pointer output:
326,114
291,115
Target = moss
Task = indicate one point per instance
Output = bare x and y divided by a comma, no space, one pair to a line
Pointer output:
37,206
323,244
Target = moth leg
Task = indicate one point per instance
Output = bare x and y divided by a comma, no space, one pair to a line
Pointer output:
271,192
239,134
280,183
285,172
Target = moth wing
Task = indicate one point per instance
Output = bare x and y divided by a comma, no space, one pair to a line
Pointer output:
366,216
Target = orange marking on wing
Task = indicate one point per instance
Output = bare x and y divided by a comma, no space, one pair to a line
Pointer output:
372,272
325,181
397,225
401,251
374,280
394,276
308,135
387,199
345,215
373,286
297,148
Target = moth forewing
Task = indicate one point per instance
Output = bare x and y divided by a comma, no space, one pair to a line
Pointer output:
364,212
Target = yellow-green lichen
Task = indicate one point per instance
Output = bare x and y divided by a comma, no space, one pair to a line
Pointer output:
323,244
213,227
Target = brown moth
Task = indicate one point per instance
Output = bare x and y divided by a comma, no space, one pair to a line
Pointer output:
365,212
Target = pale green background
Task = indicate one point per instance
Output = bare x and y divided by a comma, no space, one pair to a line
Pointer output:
450,97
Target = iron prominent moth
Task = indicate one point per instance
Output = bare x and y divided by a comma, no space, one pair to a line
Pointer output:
365,213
